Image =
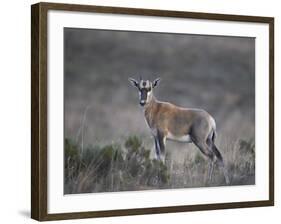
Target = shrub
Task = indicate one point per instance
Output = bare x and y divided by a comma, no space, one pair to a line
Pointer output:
129,166
112,167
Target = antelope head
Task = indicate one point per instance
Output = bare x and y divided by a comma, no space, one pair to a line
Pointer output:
145,88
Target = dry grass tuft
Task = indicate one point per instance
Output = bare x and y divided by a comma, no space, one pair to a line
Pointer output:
129,166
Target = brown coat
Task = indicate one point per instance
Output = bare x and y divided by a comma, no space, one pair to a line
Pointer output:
177,121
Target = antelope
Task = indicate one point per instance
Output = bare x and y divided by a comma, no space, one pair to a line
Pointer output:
170,122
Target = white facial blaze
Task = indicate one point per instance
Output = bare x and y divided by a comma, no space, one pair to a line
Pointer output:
147,83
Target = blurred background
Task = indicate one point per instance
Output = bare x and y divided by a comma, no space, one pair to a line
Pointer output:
214,73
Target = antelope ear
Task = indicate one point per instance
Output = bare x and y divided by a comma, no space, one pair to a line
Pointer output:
155,82
134,82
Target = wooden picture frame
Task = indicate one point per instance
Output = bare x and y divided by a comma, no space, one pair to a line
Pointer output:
39,110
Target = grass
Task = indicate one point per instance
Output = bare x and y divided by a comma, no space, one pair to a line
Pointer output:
130,166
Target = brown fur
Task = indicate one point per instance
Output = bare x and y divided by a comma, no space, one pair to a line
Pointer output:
168,118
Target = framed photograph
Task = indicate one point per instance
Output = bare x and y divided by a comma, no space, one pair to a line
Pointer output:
141,111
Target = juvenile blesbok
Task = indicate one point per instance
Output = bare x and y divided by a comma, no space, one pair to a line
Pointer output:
171,122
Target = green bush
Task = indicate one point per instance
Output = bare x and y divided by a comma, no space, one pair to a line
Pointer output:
128,166
112,167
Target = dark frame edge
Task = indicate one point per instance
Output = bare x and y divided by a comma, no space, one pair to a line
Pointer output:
35,191
156,210
154,12
38,112
271,111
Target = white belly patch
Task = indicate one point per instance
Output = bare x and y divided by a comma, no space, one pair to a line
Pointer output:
183,138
